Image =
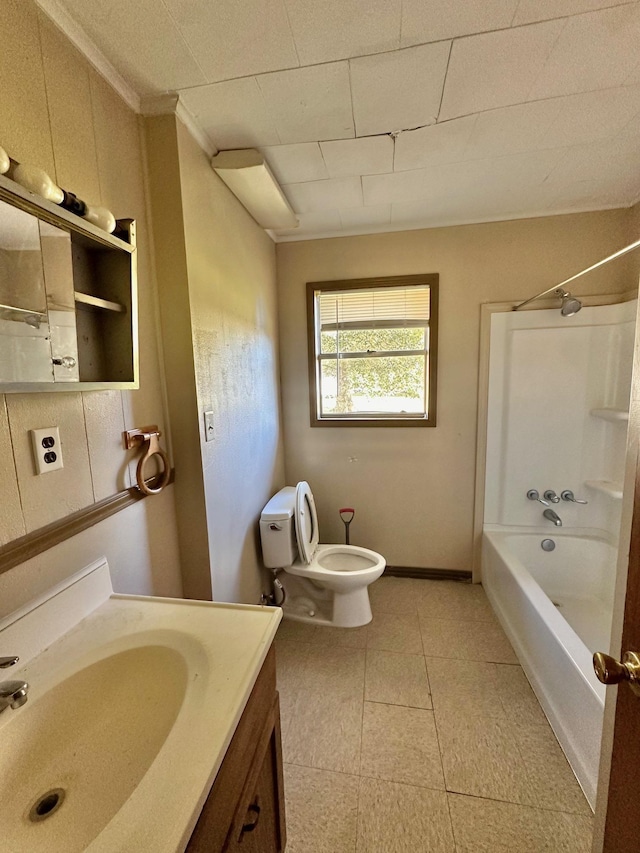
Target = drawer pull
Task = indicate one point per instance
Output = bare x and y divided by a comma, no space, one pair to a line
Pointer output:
254,809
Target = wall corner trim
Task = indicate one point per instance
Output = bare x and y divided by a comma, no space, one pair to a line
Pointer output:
169,103
74,32
159,105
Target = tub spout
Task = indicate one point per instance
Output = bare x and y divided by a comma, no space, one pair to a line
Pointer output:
553,516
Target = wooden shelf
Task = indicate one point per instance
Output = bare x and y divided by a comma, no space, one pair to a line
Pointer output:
613,415
607,487
96,302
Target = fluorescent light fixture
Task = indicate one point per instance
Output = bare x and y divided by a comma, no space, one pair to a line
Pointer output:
249,178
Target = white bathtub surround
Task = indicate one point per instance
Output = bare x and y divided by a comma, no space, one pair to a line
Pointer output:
550,378
198,661
558,400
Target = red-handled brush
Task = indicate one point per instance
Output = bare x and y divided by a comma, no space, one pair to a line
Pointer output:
347,522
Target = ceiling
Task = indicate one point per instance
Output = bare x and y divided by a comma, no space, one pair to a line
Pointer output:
381,115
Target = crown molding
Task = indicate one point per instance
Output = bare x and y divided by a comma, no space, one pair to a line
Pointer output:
391,227
159,105
165,104
195,130
170,104
74,32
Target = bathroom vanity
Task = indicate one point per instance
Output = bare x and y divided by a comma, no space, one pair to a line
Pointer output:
166,722
245,809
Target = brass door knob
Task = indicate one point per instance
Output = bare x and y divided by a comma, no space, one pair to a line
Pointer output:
611,671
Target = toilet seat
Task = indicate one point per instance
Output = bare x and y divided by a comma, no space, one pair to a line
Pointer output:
306,521
340,565
328,561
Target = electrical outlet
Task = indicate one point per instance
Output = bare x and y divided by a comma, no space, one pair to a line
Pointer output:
209,428
47,452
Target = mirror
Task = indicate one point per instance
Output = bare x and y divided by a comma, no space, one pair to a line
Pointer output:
37,312
68,298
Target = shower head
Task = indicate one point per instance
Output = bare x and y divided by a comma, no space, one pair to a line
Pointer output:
570,305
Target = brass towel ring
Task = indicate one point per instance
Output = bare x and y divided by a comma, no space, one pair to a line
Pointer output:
148,437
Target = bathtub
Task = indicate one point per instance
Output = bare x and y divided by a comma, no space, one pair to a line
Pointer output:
556,608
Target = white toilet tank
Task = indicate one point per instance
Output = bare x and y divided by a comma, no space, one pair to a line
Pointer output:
277,530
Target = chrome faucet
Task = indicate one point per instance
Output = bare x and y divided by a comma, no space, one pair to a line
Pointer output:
553,516
12,693
534,495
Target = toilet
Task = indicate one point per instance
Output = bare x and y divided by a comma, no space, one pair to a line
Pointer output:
322,584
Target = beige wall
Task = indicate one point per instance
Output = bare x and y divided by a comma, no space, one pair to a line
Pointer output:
413,488
57,113
217,276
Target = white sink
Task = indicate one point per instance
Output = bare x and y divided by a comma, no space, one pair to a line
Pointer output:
129,715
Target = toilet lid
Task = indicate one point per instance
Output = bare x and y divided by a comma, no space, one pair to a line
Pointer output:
306,522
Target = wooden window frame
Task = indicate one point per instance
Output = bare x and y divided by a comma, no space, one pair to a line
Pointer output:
430,280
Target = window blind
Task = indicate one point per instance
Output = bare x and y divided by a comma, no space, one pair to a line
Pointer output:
383,306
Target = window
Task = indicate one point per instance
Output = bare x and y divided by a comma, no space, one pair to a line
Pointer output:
372,351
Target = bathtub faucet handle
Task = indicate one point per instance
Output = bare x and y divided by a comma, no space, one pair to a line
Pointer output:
533,495
568,495
550,495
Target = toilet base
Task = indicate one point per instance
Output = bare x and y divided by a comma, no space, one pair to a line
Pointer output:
352,609
340,610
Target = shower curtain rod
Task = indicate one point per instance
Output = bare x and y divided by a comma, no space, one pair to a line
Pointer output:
601,263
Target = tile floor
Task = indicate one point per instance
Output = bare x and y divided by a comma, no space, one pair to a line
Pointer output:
394,743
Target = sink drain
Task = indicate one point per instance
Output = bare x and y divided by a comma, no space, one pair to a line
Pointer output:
46,805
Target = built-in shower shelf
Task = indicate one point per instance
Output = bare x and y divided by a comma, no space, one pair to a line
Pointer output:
614,415
607,487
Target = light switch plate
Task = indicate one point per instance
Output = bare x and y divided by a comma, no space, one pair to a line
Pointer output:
47,452
209,428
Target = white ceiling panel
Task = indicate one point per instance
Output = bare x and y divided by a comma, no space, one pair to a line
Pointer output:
591,116
430,146
444,19
515,173
396,187
634,77
406,213
367,155
453,207
292,164
310,104
632,128
399,90
338,29
496,69
335,193
383,114
588,195
142,41
554,123
231,39
233,114
361,217
597,50
510,130
511,173
613,159
314,223
530,11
